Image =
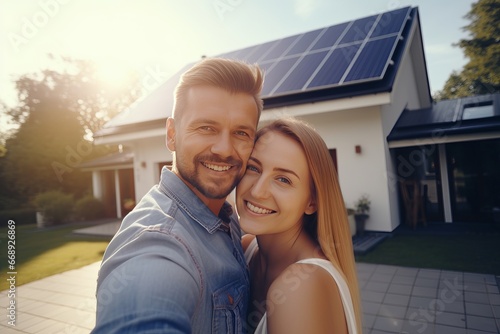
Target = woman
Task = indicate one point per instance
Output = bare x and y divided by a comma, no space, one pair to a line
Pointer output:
298,246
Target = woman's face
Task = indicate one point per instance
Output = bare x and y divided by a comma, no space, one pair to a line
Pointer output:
275,191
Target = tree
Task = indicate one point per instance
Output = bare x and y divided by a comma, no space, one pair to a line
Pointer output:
481,75
57,111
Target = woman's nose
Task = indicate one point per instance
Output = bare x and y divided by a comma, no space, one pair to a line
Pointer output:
260,189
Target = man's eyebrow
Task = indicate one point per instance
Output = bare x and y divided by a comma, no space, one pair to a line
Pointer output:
204,121
212,122
276,169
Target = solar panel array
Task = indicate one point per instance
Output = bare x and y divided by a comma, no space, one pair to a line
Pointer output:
346,53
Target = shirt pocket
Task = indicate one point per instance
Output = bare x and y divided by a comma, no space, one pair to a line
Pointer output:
229,308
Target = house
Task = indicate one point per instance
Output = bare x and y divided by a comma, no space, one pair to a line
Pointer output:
363,85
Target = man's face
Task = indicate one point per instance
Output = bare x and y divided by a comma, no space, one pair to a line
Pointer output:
213,140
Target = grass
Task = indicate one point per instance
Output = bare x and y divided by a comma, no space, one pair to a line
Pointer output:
45,252
476,252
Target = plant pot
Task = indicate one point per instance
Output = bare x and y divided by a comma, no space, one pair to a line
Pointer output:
40,219
360,223
352,224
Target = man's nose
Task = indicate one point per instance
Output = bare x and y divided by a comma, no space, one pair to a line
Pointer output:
223,145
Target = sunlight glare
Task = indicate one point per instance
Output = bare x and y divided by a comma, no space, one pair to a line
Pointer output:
114,74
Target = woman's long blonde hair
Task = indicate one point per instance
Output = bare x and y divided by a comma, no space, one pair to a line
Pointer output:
329,225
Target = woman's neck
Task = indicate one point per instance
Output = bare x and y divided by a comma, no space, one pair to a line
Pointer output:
278,252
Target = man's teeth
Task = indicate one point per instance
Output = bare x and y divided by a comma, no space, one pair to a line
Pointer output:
255,209
217,168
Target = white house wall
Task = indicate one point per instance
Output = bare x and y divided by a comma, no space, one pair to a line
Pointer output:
405,94
358,173
148,153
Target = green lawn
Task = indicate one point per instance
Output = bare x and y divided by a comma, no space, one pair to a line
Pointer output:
469,252
45,252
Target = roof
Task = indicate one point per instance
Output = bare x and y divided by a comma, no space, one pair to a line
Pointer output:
119,159
350,59
477,114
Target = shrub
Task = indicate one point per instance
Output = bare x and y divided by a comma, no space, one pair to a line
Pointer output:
20,216
55,205
89,207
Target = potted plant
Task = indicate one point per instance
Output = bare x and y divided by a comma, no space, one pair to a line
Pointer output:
362,208
128,204
351,220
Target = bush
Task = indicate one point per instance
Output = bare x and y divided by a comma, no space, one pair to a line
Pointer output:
20,216
89,208
55,205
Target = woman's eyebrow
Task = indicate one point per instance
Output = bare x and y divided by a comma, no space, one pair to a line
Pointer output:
276,169
284,170
257,161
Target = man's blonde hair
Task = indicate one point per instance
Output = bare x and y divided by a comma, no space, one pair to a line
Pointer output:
231,75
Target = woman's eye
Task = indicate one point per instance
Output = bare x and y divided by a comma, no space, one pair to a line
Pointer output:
284,180
252,168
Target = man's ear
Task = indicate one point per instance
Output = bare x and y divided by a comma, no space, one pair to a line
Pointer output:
171,134
311,207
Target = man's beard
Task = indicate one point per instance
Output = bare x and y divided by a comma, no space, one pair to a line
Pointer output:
213,191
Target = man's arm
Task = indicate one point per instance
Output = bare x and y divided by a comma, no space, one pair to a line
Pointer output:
147,286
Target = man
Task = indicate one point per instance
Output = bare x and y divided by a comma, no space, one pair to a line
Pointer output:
176,265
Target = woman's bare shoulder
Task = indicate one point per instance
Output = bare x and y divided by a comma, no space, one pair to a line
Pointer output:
246,240
305,297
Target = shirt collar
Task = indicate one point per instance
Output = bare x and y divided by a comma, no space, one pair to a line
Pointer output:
183,196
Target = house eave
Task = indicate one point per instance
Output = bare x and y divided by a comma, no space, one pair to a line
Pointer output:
320,107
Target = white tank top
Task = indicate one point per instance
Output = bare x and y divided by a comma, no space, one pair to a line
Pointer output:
327,265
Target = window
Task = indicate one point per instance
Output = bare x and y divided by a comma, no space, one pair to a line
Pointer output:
478,111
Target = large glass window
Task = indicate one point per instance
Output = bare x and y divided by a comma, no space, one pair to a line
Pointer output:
474,174
419,185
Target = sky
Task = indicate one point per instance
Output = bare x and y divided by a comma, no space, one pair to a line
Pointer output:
155,38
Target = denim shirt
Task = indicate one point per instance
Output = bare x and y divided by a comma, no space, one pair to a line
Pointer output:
173,267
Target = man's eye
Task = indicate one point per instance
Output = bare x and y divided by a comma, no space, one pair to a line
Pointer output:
242,133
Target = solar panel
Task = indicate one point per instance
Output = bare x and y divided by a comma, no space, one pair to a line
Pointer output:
304,42
279,48
330,36
334,67
372,60
342,54
275,73
298,75
359,30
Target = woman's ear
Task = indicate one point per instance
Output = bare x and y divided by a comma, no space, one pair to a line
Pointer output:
311,207
170,134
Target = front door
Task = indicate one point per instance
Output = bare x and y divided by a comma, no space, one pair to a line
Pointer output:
418,166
